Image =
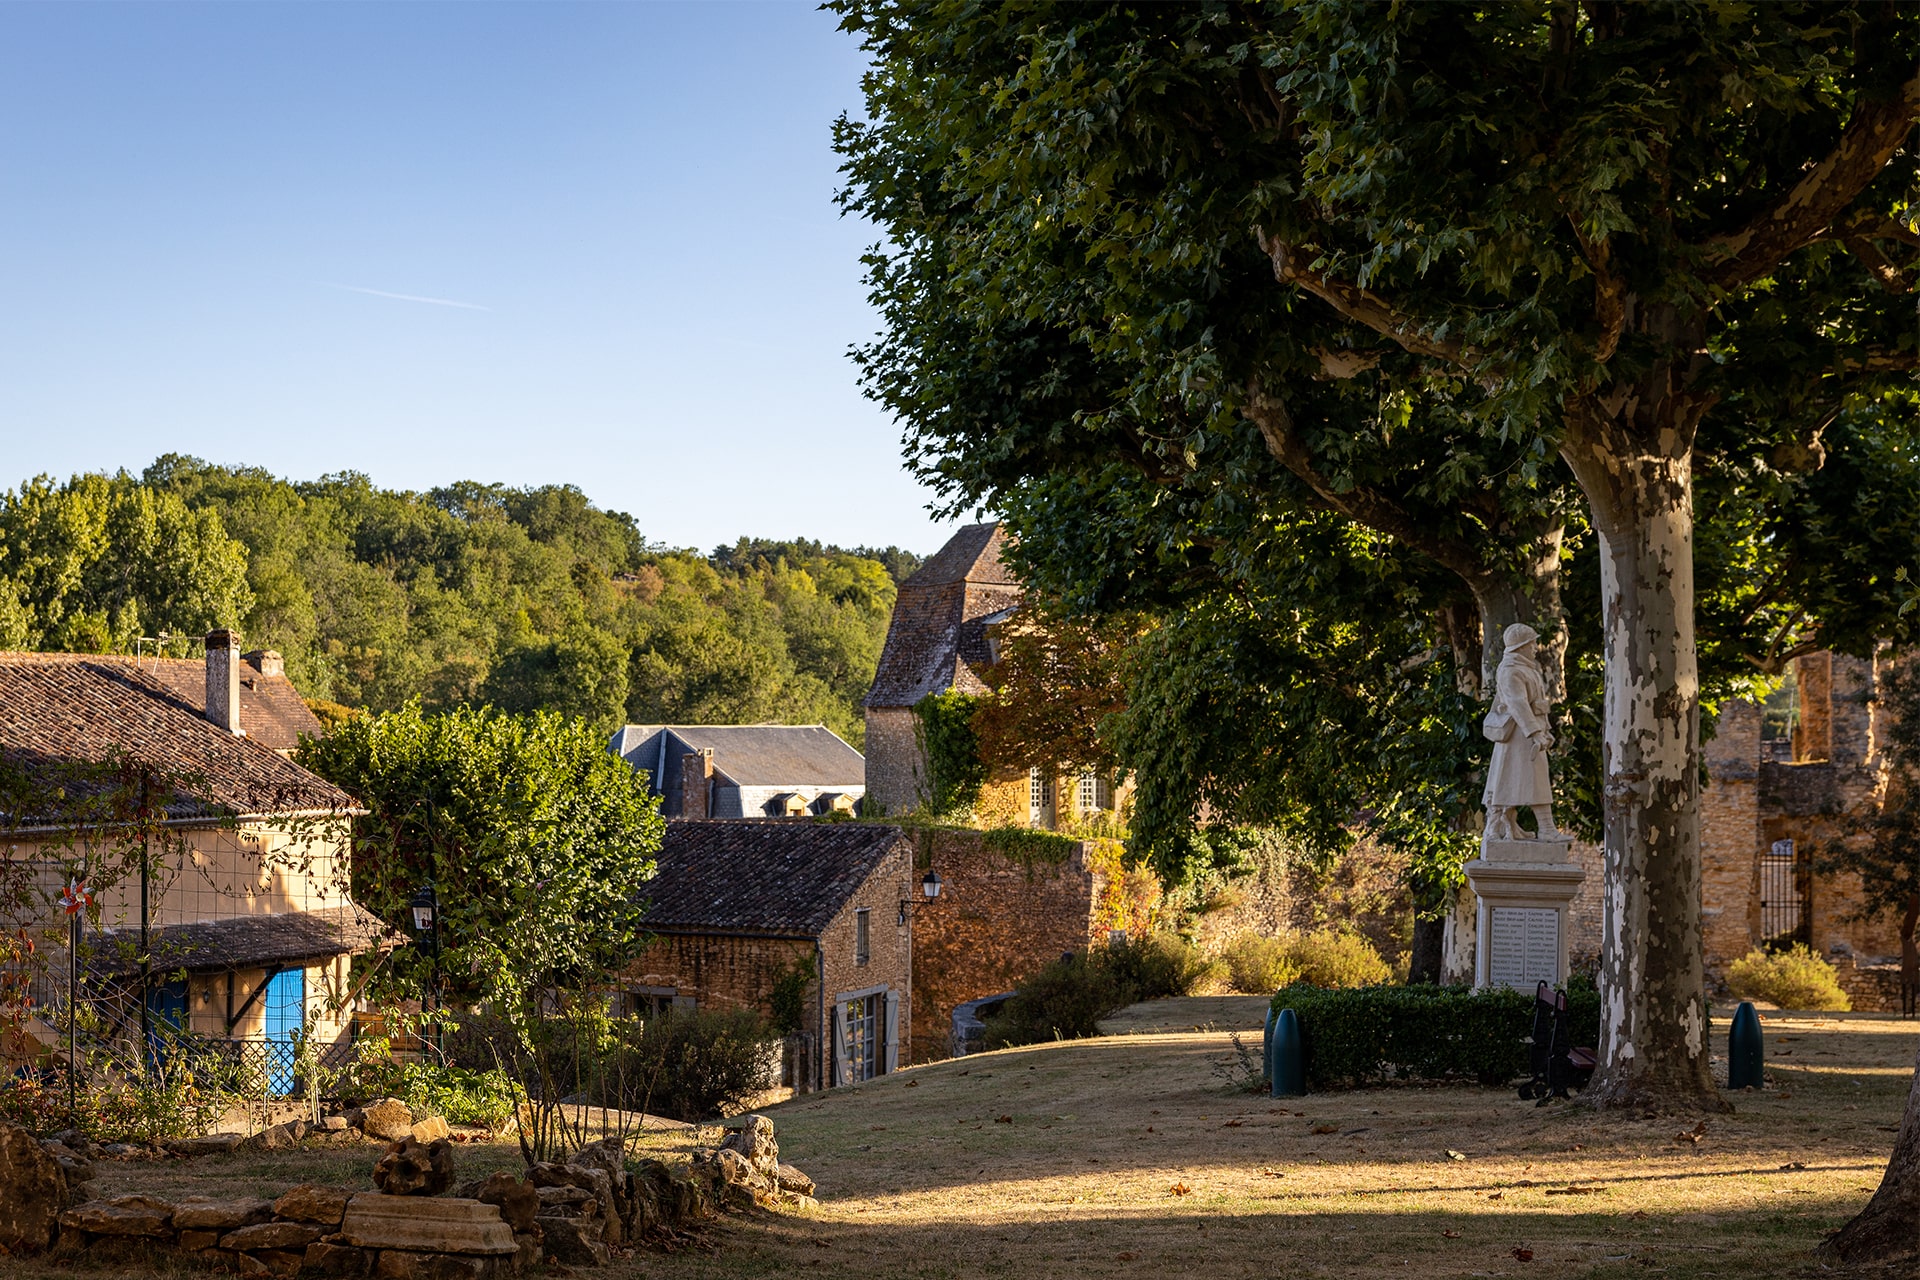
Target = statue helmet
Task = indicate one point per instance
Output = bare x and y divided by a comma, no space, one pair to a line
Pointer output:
1518,634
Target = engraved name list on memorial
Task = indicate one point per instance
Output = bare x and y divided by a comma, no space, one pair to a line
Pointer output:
1525,946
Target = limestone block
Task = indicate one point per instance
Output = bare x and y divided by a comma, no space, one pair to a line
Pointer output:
311,1202
338,1260
431,1129
199,1213
754,1141
272,1235
413,1168
737,1195
423,1224
213,1144
121,1216
519,1202
792,1180
280,1136
532,1251
335,1124
388,1119
398,1264
195,1241
275,1262
33,1190
567,1202
574,1241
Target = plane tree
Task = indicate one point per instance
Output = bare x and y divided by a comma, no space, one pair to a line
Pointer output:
1622,241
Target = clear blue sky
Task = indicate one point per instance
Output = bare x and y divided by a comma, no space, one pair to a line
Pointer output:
223,229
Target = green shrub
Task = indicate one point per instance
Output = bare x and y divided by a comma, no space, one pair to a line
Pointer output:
460,1095
1337,959
1256,963
137,1106
1331,958
1066,999
1370,1034
691,1066
1793,979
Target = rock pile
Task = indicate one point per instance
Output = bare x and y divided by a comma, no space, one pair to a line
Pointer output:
745,1170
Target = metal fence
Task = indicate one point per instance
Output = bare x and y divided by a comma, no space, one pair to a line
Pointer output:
1786,896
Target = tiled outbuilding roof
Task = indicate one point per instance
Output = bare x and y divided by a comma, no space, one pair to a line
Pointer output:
781,876
749,755
938,638
62,710
247,942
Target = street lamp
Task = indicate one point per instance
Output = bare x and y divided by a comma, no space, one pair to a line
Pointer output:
930,884
425,906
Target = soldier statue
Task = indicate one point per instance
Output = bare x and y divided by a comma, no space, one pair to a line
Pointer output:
1517,726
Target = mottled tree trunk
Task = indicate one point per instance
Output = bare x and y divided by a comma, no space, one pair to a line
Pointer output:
1638,478
1888,1229
1531,595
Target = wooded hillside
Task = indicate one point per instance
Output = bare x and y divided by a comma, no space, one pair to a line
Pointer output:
469,593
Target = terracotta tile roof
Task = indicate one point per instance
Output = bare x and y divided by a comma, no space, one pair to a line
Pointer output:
61,710
271,710
785,876
247,942
937,639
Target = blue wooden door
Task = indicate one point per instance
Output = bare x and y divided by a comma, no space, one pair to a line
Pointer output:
286,1000
166,1016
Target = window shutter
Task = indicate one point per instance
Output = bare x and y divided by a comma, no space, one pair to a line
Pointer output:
842,1072
893,1032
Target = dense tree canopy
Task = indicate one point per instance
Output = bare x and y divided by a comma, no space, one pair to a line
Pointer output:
472,593
1499,285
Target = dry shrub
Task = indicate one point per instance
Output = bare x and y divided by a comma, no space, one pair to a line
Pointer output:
1330,958
1796,978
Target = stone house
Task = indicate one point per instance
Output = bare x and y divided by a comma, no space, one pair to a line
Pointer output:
944,635
248,920
745,770
807,921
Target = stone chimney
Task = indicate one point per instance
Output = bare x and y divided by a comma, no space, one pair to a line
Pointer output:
223,680
267,662
696,783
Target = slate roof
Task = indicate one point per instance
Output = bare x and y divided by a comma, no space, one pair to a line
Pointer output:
938,637
61,710
783,876
750,755
247,942
271,710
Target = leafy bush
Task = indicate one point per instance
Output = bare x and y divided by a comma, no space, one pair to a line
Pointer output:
1793,979
460,1095
691,1066
1066,999
1370,1034
1330,958
138,1106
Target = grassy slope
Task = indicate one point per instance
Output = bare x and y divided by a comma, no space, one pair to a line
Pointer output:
920,1178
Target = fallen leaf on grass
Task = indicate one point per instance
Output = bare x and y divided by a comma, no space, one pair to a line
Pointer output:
1523,1255
1455,1155
1179,1189
1272,1173
1451,1235
1573,1191
1577,1147
1794,1167
1498,1195
1692,1135
1888,1128
913,1084
1003,1119
1233,1124
1350,1132
1324,1128
1128,1256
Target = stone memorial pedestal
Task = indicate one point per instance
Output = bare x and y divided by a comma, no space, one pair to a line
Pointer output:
1523,888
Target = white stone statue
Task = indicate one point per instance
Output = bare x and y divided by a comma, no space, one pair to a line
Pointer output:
1516,724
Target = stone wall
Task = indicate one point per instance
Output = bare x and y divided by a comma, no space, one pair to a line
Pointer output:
888,899
716,971
1872,988
996,921
896,768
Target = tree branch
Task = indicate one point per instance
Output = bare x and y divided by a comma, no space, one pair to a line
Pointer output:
1804,213
1880,360
1360,305
1890,277
1360,504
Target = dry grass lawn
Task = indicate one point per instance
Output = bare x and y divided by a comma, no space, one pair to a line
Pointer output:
1131,1155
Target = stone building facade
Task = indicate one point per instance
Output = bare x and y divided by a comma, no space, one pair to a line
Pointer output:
741,908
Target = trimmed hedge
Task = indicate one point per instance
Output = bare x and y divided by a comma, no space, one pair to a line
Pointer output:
1370,1034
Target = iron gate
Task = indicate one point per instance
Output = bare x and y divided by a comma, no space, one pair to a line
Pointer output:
1786,897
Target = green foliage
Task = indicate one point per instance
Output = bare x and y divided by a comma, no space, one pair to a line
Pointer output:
788,997
1796,978
139,1106
1029,847
1066,999
533,834
460,1095
691,1066
1368,1035
529,598
1328,958
943,724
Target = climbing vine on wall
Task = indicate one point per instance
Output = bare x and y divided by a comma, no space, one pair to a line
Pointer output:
943,723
